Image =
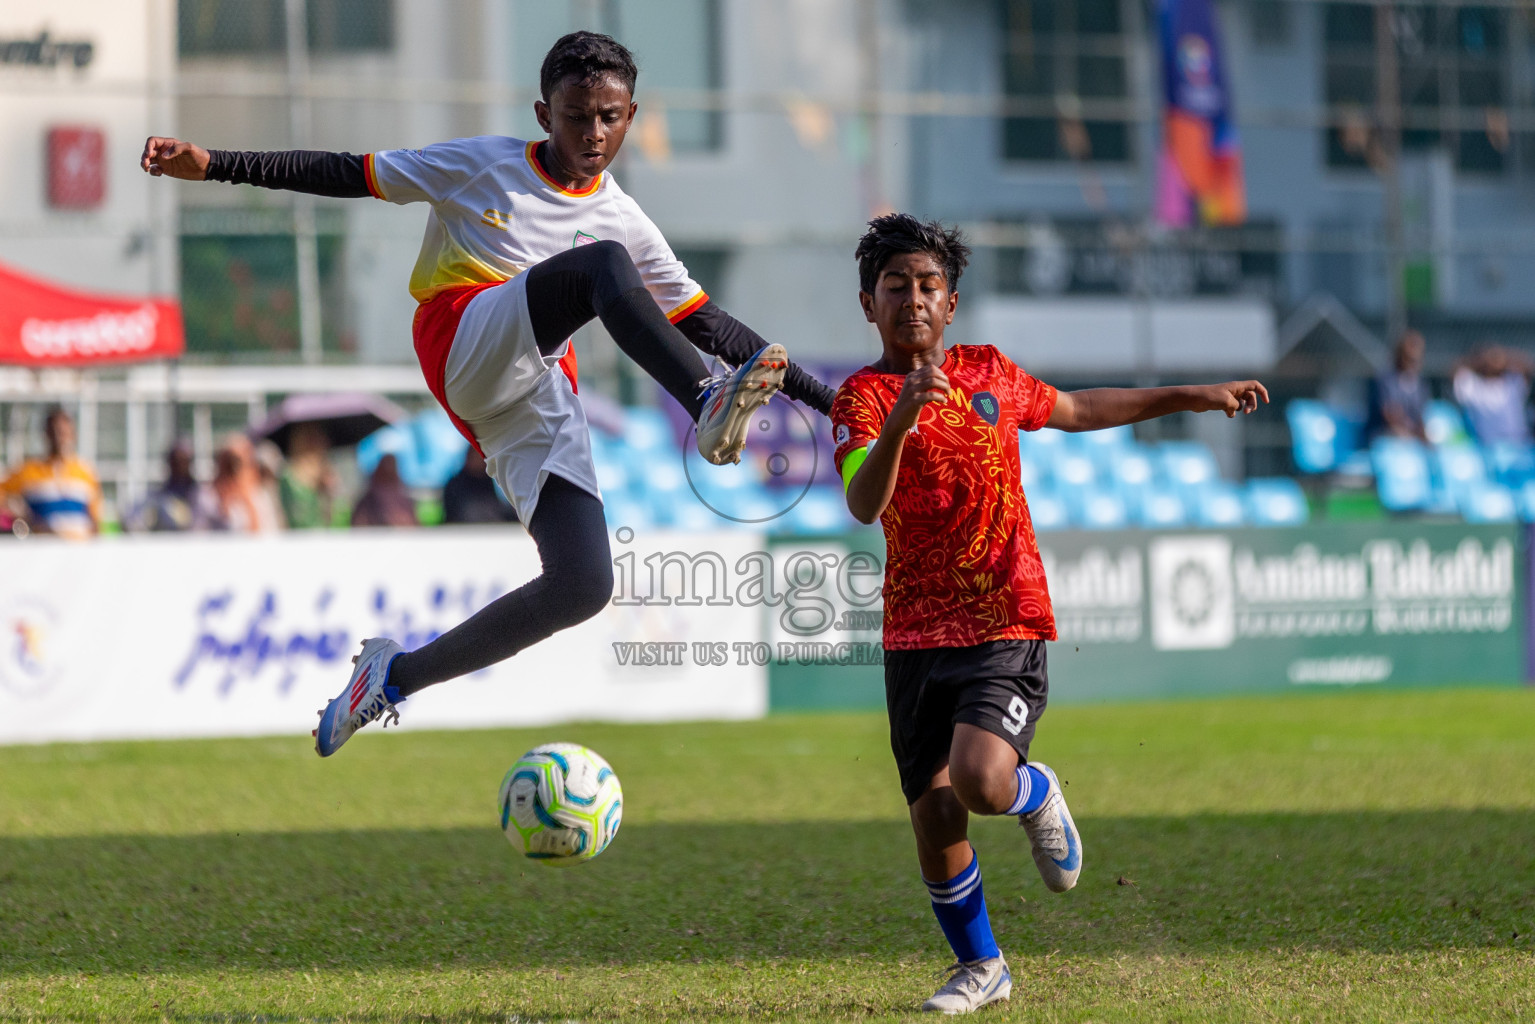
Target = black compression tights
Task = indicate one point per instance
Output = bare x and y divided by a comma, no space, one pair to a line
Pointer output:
600,281
576,582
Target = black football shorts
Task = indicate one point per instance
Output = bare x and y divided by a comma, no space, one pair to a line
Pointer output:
1001,686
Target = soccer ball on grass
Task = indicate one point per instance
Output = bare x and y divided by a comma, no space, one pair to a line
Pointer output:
561,804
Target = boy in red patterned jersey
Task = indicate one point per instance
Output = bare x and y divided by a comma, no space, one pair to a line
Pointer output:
927,443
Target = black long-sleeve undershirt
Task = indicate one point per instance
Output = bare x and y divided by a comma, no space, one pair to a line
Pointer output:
338,175
342,176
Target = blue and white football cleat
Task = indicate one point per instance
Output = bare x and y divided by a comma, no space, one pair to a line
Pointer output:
730,399
1053,837
368,696
972,986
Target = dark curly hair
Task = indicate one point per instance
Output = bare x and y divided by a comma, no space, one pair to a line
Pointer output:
588,56
896,233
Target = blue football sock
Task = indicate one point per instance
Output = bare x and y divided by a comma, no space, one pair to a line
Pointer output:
960,906
1033,787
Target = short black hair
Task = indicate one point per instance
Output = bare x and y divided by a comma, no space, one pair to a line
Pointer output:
896,233
588,56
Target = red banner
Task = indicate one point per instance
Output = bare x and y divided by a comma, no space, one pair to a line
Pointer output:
42,324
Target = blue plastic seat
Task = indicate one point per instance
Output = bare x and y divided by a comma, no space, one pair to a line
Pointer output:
1524,501
1443,423
1108,440
1510,463
1161,508
1276,501
1188,464
1314,436
1072,470
1102,509
1487,502
1131,469
1030,474
1402,479
1048,511
1044,444
1219,503
647,430
821,510
1459,466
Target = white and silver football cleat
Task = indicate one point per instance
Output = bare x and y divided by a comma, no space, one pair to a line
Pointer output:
972,986
364,700
730,399
1053,837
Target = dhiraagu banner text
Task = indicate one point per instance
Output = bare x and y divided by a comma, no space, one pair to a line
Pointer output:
1145,614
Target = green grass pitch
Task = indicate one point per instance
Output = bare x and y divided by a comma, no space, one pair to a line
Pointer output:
1362,856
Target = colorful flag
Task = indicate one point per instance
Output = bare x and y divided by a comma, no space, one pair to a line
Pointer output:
1200,166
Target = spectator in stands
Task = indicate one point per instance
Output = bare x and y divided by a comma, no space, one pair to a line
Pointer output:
307,483
57,493
470,495
1399,395
386,501
243,506
1491,388
178,504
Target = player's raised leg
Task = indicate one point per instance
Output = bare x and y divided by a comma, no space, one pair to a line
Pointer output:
601,281
988,778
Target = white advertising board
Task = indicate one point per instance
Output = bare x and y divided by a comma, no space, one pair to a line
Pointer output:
215,636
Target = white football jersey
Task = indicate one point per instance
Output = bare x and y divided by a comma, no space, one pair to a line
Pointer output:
495,213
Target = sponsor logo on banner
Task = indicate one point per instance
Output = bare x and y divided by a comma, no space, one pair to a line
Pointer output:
1191,593
1098,596
103,335
29,657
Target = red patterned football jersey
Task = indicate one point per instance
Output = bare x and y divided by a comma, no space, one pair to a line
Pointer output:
961,566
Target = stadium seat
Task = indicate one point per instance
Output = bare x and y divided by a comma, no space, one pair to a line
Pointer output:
1030,474
1443,423
1486,502
1161,508
1071,470
1218,503
1102,509
1276,501
1095,441
1048,511
1314,436
1458,466
1044,445
1130,469
646,430
1509,463
1524,501
1188,464
1402,479
821,510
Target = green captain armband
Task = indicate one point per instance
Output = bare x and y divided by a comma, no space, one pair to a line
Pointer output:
852,462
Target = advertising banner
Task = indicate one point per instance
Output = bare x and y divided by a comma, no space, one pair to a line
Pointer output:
1145,615
211,636
43,324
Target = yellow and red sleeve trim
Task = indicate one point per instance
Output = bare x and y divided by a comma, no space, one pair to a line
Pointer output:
682,312
538,168
372,177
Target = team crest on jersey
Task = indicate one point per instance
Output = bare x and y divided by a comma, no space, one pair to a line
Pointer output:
582,238
985,405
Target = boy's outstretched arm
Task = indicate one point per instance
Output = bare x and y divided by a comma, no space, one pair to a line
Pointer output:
1100,408
873,482
339,175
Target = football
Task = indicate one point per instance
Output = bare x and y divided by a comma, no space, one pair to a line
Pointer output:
561,804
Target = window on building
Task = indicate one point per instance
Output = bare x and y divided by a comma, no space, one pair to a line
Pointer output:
1067,63
1453,68
244,28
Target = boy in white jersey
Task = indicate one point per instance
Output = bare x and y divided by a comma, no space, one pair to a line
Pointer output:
527,241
